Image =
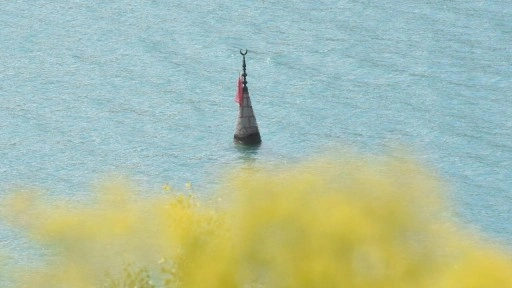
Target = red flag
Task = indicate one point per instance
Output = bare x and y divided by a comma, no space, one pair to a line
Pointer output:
239,98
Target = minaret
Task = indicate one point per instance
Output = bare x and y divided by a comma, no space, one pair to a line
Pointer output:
246,132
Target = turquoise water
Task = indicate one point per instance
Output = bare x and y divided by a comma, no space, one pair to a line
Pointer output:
146,89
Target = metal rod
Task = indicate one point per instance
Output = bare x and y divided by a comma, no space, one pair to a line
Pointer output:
244,74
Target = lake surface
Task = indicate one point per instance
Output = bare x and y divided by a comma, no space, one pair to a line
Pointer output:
146,88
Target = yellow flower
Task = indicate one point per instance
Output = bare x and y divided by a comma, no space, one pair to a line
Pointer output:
324,223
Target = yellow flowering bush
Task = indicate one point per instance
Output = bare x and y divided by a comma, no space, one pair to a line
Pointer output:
323,223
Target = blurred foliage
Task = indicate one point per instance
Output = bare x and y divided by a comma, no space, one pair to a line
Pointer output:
130,278
349,222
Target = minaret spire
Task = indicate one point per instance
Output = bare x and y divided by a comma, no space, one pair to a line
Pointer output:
247,131
244,74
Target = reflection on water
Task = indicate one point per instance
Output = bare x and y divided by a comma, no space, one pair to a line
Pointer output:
247,153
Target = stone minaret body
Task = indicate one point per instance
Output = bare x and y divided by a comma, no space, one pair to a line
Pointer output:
246,132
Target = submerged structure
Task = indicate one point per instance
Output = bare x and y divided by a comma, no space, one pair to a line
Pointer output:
246,132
